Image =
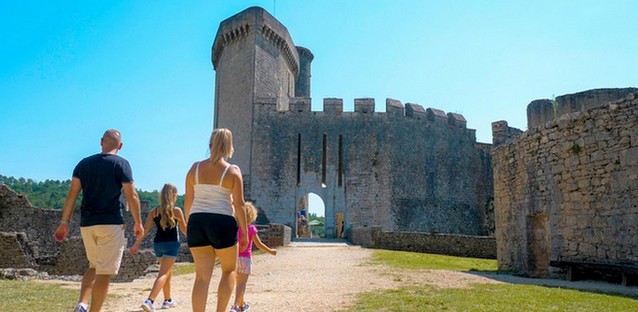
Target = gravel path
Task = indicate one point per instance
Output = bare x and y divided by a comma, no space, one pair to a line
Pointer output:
302,277
322,277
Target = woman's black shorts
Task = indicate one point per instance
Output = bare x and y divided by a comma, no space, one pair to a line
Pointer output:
211,229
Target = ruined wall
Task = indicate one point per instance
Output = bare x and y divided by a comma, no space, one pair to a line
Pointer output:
568,190
409,169
16,250
35,247
443,244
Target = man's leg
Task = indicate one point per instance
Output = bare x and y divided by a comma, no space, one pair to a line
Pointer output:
111,243
100,288
87,286
90,248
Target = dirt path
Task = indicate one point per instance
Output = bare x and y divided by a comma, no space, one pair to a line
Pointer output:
321,277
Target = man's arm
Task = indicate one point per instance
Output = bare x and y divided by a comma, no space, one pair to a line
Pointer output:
147,228
69,204
134,205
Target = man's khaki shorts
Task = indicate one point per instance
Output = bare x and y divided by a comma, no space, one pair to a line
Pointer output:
104,245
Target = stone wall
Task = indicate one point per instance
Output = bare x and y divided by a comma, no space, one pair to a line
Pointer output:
16,251
417,170
568,190
444,244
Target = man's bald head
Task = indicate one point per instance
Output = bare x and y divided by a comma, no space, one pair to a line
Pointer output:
111,141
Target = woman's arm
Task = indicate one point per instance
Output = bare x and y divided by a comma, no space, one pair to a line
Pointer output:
190,192
238,203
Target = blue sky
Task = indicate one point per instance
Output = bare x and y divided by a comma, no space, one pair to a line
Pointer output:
71,69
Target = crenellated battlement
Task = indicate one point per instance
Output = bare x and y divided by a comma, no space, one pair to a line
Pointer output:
277,40
227,37
394,108
256,21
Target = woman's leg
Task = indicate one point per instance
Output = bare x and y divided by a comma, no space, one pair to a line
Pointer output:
204,258
166,265
228,262
242,280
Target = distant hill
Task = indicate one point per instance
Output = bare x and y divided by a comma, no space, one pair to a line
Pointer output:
51,194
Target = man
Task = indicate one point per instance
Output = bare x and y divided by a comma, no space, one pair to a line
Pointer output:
101,178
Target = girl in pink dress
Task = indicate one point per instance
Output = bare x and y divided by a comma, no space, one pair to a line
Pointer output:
244,260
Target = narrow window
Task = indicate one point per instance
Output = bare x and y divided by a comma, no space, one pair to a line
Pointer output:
324,160
299,159
340,164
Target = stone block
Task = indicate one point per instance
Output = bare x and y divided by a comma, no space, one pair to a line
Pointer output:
415,110
300,105
333,105
394,107
364,106
437,116
456,120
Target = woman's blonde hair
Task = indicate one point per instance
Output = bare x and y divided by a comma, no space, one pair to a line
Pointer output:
251,212
167,203
221,145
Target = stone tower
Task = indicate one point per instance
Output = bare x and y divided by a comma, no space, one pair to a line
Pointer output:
254,58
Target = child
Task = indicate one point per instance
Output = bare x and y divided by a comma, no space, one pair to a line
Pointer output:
168,219
244,261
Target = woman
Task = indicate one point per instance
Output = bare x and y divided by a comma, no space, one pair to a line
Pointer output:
214,205
169,220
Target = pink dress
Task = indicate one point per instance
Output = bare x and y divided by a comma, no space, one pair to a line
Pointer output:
252,230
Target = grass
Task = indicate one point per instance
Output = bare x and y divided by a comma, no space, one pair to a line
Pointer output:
31,295
413,260
479,297
491,297
183,268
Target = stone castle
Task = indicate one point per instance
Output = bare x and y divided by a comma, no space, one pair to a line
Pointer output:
563,192
406,169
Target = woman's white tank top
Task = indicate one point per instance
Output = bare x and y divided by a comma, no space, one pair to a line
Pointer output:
212,198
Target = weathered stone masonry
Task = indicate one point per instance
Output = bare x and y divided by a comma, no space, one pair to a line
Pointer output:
567,189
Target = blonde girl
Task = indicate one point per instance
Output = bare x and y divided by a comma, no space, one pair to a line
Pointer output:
168,220
244,261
